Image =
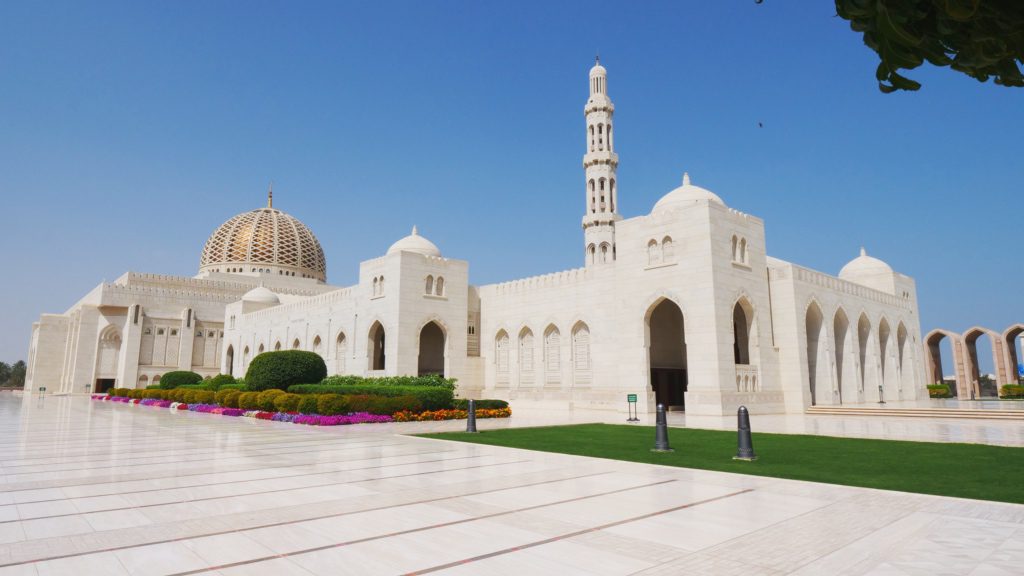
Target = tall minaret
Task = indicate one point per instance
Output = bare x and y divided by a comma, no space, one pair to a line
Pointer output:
600,163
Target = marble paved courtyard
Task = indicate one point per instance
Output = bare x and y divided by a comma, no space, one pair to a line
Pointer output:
100,488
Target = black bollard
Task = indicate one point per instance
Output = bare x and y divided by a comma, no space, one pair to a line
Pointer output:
471,416
745,445
661,432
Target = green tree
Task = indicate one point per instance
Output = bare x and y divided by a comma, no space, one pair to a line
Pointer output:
981,38
17,377
5,373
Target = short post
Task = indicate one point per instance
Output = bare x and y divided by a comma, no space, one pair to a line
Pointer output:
745,445
881,394
661,432
631,408
471,416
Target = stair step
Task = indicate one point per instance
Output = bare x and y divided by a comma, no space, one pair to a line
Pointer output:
917,412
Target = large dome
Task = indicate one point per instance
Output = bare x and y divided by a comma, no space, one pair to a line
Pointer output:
684,196
264,241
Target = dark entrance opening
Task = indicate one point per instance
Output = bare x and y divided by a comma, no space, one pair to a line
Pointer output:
103,385
667,355
431,358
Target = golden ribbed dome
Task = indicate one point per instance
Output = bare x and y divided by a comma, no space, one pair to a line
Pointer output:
264,241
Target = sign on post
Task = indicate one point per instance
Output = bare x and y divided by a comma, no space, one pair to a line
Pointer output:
631,407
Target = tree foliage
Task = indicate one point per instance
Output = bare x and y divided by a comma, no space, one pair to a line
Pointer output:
981,38
12,374
279,370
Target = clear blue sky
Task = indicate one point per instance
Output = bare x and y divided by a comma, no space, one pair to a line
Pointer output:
129,131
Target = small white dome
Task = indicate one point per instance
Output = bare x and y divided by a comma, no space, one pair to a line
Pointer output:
864,266
685,195
415,243
598,69
261,295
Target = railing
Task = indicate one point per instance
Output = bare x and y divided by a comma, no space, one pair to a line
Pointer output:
748,378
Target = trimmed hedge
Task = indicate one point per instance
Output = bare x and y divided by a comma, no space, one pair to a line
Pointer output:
1012,391
335,404
178,378
281,369
265,399
227,398
287,402
463,404
939,391
432,380
307,404
431,397
249,401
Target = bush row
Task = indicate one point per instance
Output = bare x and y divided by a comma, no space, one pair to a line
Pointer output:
1012,391
431,397
463,404
939,391
432,380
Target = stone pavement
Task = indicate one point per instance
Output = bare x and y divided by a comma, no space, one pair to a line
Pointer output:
100,488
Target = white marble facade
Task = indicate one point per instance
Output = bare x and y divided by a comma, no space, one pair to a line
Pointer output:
680,306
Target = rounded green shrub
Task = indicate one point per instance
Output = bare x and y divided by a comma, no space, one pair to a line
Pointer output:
177,378
332,404
286,402
219,380
230,398
281,369
249,401
204,396
265,399
307,404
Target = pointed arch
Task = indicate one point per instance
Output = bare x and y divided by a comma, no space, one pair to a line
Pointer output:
983,387
296,344
230,356
742,325
865,356
818,370
668,249
340,352
317,344
433,352
735,248
277,346
581,349
844,363
665,340
653,254
552,354
526,356
428,287
439,287
501,352
907,374
1014,369
933,346
886,364
376,346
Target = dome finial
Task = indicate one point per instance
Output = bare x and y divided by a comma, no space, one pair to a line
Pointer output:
270,195
415,232
597,59
863,252
686,178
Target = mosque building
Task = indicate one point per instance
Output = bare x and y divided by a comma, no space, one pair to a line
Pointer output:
681,306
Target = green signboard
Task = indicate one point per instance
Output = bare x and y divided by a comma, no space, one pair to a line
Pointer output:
630,397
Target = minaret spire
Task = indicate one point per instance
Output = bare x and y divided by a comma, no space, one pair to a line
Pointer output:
600,163
270,195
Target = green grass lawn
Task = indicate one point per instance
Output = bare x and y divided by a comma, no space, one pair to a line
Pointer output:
963,470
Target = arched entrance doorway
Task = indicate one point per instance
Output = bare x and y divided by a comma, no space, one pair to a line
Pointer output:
936,371
982,367
109,349
231,360
845,372
375,347
818,366
666,353
431,358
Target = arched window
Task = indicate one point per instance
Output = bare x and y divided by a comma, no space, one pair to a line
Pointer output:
667,249
429,287
652,252
611,187
600,184
156,380
295,344
591,253
591,137
381,286
277,346
552,351
581,347
735,245
143,381
526,350
316,344
375,287
501,352
260,351
604,253
245,358
440,286
743,250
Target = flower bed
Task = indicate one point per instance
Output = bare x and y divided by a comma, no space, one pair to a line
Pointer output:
450,415
308,419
